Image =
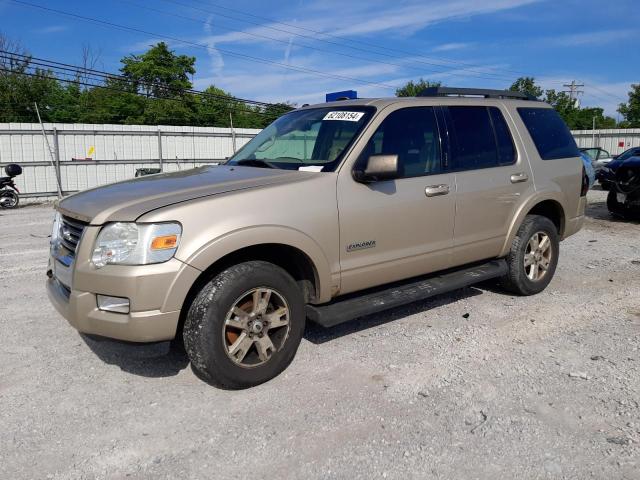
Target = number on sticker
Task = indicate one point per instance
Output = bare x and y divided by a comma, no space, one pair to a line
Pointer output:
344,116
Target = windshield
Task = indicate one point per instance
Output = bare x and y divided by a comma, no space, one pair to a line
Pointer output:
632,152
313,139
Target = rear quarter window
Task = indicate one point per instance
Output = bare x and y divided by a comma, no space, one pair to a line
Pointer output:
549,133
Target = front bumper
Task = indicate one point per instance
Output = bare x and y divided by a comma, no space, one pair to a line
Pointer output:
81,311
156,294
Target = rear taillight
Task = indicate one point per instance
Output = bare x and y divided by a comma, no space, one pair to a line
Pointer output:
585,183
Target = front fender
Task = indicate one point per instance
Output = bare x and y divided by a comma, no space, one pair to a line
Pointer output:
236,240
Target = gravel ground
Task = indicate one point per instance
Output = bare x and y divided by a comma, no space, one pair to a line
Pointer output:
538,387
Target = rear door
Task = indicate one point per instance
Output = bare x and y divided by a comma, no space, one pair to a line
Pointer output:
491,178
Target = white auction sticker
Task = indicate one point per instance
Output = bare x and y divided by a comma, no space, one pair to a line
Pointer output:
344,116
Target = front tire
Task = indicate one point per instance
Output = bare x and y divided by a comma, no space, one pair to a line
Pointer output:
615,208
244,326
533,257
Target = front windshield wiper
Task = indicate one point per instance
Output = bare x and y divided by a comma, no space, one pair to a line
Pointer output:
254,162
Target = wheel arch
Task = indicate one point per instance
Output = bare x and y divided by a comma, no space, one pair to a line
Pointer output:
289,249
549,206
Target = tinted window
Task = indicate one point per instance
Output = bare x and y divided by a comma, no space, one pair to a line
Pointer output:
549,133
412,134
506,150
473,144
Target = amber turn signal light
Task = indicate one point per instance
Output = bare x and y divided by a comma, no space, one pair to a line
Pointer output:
165,242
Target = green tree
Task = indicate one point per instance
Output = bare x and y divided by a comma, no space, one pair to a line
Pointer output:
413,89
631,109
527,85
159,72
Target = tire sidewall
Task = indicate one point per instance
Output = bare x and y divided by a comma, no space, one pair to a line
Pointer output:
10,193
203,331
528,229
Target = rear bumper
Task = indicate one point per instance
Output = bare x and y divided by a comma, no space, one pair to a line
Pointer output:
574,225
81,311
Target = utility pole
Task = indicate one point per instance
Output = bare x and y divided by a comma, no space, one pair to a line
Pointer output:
574,90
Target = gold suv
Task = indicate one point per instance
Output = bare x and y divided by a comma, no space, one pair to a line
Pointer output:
332,212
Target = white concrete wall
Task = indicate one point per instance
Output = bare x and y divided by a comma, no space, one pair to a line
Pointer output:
124,147
615,141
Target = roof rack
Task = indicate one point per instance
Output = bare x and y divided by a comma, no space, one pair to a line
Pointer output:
475,92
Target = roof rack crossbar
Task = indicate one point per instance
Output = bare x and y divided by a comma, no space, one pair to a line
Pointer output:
476,92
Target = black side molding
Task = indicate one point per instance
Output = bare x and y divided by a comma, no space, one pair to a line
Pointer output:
352,306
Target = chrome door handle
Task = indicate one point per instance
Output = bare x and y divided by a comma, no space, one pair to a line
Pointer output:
519,177
435,190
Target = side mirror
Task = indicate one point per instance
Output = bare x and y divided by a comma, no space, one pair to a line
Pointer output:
378,168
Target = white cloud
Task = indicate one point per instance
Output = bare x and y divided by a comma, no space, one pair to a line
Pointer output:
374,16
592,38
214,54
447,47
52,29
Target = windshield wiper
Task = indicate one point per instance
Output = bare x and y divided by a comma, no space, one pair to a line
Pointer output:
254,162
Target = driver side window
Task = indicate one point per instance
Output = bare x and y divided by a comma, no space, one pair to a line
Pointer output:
412,134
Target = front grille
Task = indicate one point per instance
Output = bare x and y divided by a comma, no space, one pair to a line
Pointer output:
70,233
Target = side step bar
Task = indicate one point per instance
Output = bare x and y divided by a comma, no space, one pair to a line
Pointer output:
376,300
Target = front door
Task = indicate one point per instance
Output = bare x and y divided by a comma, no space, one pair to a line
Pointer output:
396,229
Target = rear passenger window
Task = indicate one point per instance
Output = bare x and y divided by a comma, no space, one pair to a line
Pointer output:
506,150
473,142
549,133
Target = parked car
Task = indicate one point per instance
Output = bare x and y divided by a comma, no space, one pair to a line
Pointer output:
622,179
385,202
599,157
588,168
631,152
605,174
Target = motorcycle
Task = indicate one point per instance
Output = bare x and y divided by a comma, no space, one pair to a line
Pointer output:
9,193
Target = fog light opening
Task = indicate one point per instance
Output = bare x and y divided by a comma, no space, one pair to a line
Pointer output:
113,304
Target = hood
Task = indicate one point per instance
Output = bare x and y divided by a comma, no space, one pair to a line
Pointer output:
128,200
628,162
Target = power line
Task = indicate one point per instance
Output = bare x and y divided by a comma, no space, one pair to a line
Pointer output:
616,97
443,68
338,37
82,71
203,46
93,85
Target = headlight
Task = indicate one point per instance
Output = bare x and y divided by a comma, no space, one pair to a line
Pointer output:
55,230
136,244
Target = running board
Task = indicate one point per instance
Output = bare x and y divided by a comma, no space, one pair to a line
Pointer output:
386,297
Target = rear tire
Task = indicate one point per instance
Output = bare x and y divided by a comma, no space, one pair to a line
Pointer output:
244,327
533,257
9,199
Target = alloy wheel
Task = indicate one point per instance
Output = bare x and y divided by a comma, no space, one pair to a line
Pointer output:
537,256
256,326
